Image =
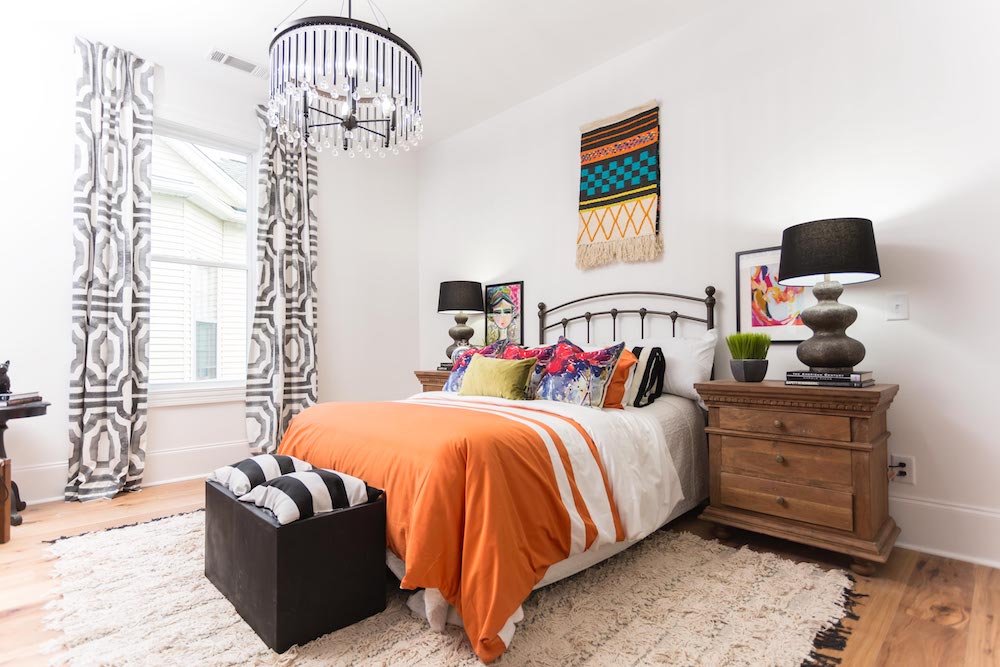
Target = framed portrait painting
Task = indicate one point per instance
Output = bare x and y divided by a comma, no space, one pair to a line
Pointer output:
504,319
764,306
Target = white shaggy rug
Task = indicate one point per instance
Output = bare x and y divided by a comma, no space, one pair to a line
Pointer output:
137,596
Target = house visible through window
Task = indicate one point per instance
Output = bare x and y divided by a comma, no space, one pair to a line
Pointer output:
198,318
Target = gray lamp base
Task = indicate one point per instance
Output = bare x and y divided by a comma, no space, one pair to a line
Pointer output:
460,333
830,350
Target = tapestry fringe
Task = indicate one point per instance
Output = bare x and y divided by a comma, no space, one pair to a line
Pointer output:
652,104
637,249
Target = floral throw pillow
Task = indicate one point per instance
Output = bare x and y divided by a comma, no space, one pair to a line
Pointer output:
542,354
461,364
578,377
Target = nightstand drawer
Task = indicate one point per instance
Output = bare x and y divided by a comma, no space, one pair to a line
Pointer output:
824,507
789,462
828,427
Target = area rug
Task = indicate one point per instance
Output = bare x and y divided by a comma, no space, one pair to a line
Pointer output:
137,596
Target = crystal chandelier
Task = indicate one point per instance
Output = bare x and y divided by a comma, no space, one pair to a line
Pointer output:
344,85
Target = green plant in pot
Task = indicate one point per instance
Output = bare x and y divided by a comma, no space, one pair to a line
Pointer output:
749,351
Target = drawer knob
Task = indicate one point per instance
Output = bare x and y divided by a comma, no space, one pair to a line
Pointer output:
779,424
779,500
779,458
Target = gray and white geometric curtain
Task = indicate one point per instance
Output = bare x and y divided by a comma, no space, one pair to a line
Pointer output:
281,371
111,217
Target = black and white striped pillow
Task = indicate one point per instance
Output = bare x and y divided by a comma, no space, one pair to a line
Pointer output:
300,495
248,473
647,377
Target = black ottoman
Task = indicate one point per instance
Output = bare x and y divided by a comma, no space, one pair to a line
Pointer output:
296,582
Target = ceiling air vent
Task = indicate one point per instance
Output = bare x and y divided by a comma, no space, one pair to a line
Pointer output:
240,64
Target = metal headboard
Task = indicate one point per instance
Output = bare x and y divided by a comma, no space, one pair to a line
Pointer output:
709,319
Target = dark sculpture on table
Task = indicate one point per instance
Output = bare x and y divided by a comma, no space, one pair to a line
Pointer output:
4,379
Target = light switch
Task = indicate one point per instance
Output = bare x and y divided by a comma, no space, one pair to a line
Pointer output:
899,307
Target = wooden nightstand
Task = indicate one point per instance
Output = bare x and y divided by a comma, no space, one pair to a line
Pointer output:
432,380
807,464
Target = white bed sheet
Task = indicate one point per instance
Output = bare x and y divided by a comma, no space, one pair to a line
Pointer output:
682,423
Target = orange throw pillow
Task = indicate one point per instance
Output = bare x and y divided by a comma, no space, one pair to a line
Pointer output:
616,388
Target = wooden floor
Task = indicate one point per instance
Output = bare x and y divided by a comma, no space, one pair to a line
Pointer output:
920,609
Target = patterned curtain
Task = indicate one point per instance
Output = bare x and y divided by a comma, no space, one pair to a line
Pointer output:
111,217
281,372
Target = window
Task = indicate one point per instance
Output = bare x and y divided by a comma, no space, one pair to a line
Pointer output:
199,300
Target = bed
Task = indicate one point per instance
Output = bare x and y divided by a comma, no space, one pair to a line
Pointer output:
489,498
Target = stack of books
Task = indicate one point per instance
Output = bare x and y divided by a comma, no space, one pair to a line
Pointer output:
855,379
10,400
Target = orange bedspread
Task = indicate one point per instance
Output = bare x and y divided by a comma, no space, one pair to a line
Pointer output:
481,499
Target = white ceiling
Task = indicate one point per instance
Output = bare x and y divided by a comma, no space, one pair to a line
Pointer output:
480,57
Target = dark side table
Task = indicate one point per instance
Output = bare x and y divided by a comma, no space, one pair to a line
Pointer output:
6,414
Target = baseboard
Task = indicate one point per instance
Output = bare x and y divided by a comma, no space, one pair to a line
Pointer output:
951,530
44,482
176,464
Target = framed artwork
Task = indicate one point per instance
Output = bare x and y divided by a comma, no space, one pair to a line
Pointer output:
503,313
764,306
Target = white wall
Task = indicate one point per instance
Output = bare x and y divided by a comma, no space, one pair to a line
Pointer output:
776,112
367,275
36,250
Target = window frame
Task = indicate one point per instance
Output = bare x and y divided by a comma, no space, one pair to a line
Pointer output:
213,391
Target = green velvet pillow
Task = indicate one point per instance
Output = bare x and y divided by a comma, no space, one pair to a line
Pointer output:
503,378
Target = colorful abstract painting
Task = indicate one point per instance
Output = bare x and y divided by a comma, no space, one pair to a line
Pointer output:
503,313
763,305
771,304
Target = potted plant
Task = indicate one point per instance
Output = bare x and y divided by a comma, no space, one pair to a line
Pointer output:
749,351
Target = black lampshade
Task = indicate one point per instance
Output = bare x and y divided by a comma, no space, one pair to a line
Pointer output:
844,248
458,296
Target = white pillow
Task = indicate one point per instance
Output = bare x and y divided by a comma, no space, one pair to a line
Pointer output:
688,361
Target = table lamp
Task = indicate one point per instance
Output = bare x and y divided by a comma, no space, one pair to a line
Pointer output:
459,297
826,255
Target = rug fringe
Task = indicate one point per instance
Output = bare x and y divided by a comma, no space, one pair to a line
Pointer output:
645,248
127,525
834,637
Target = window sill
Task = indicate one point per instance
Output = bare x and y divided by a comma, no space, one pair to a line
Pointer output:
174,395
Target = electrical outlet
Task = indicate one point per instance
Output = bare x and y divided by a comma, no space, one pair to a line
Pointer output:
899,307
906,464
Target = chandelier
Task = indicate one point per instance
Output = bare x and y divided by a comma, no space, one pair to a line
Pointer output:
344,85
